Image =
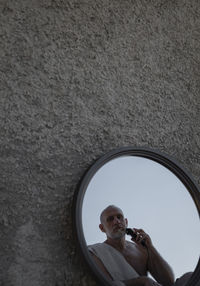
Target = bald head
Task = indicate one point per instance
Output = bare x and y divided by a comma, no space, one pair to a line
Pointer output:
110,207
113,223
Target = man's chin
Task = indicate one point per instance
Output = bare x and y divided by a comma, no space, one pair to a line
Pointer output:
118,234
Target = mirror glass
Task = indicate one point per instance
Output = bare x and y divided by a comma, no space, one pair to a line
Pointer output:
152,198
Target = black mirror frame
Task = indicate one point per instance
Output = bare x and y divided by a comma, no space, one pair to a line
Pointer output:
164,160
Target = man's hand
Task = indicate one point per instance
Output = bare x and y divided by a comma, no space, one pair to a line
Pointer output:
141,236
156,265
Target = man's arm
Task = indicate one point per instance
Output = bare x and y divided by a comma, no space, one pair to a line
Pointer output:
157,266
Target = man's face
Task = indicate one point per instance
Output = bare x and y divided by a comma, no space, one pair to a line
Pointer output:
113,223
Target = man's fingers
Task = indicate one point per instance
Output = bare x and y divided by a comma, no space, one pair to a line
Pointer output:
140,236
139,229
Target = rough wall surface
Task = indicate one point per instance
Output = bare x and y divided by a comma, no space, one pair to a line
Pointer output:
79,78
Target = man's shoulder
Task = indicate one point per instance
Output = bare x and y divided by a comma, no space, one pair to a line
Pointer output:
96,245
98,249
138,248
130,243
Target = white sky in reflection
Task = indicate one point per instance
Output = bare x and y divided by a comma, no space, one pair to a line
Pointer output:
152,198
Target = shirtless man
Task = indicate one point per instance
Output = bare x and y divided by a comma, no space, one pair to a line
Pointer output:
142,257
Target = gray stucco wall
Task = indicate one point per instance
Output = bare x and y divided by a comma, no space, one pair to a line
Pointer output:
79,78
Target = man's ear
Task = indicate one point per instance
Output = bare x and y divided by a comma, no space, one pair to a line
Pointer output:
101,227
126,221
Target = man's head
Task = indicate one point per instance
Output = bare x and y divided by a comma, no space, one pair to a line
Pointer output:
113,222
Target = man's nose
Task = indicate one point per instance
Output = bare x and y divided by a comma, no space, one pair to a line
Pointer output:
116,220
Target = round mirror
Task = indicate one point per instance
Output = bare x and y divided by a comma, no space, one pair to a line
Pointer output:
155,195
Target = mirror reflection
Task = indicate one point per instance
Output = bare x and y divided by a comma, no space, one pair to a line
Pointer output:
153,200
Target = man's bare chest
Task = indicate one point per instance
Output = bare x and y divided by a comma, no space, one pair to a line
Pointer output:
137,257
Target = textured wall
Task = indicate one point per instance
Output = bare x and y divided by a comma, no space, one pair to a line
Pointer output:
79,78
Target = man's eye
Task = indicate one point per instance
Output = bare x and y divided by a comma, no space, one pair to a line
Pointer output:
111,218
